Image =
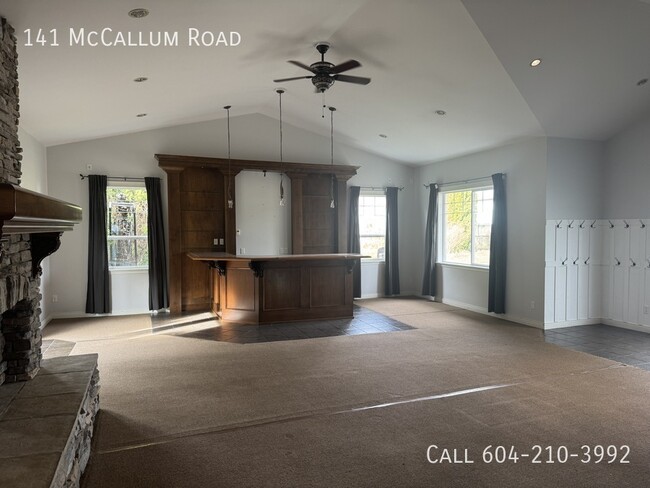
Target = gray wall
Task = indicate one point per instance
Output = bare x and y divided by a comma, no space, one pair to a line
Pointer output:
34,177
627,175
575,179
254,136
263,226
524,163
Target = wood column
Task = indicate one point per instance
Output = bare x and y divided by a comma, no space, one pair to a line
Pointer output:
175,241
342,211
297,231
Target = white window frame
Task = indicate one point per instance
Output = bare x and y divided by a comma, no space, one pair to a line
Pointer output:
442,226
119,269
373,193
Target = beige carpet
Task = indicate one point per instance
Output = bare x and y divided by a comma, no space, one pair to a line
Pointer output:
184,412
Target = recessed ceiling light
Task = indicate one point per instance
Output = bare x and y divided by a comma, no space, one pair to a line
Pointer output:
383,136
138,13
141,115
535,62
441,112
642,82
140,79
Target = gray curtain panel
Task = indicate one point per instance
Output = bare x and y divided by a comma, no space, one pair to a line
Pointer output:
391,272
98,295
430,239
498,248
354,240
158,290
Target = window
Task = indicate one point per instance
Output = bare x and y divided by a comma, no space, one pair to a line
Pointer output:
372,224
466,226
127,228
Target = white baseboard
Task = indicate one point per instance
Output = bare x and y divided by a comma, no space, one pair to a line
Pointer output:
571,323
510,318
46,321
371,295
378,295
82,315
625,325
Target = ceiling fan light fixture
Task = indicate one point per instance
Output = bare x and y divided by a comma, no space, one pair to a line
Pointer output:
138,13
383,136
441,112
642,82
535,62
142,115
140,79
324,74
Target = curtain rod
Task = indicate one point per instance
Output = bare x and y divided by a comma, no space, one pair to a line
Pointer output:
378,188
116,178
503,175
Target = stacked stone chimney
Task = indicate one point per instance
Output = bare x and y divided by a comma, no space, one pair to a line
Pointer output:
20,334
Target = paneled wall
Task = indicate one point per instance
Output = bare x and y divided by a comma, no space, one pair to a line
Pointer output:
597,270
198,214
202,220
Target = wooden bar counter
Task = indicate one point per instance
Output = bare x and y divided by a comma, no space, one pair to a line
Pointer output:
269,289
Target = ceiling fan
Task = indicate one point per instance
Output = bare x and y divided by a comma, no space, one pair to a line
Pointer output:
325,73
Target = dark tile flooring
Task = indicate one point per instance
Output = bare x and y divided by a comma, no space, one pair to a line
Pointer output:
622,345
364,322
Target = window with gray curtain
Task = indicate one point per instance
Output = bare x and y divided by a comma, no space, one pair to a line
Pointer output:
430,238
158,290
354,240
98,295
498,248
391,271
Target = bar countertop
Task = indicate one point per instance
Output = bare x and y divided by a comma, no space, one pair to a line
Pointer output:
222,256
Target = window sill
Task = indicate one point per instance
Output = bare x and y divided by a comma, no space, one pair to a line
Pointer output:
472,267
127,270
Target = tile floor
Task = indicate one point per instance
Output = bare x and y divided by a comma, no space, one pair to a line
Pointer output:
364,322
622,345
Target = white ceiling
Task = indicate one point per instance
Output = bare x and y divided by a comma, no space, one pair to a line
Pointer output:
422,56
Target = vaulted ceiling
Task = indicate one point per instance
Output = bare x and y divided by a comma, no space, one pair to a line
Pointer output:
468,58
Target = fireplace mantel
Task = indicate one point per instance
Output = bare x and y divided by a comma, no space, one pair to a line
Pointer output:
45,218
27,212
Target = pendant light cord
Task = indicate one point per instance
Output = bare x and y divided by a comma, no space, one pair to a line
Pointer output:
280,92
332,109
227,107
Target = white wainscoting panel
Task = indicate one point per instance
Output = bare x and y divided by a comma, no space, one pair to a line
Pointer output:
597,270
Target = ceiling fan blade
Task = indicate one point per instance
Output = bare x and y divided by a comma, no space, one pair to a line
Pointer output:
340,68
358,80
301,65
294,78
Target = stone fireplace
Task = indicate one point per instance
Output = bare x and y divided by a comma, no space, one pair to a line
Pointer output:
44,441
20,334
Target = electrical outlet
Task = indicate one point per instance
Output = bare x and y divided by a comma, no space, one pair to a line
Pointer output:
238,232
645,309
221,242
242,250
55,298
89,167
215,242
532,304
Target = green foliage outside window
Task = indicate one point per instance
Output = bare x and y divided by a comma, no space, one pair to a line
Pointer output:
127,227
466,226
